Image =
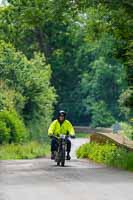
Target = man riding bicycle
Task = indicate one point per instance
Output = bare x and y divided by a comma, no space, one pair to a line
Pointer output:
58,127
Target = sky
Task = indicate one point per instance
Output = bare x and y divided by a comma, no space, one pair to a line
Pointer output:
3,1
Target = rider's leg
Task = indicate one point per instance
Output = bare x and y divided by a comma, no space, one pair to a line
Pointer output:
54,147
68,149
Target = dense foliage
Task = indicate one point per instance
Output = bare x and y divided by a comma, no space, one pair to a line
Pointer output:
12,128
127,130
108,154
89,47
26,97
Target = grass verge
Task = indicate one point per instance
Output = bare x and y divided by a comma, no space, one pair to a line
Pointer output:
24,151
82,135
108,154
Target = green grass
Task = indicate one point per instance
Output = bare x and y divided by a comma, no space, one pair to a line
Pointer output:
29,150
26,151
82,135
108,154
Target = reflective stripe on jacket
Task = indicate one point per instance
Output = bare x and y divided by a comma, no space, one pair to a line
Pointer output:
57,129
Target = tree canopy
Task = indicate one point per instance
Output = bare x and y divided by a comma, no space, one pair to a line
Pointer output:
88,45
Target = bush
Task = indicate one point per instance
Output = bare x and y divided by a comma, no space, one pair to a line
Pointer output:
10,98
108,154
25,86
101,116
25,151
4,132
12,128
126,130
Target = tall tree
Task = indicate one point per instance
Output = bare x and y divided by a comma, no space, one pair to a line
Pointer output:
29,80
74,36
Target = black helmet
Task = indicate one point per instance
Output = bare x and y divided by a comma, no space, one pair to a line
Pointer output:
62,112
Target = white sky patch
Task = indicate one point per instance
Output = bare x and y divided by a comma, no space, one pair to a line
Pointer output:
3,2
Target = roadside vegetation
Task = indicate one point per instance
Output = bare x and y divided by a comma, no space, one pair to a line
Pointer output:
108,154
71,55
26,104
82,135
127,130
24,151
85,44
30,149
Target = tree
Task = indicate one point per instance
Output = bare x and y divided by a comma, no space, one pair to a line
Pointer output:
29,84
74,36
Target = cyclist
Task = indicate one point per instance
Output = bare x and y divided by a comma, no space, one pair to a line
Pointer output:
58,127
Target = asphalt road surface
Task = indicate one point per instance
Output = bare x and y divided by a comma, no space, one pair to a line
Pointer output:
41,179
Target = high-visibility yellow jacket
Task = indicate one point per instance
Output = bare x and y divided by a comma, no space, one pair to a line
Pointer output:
57,129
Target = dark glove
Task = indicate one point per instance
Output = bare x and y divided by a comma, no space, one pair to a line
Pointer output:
73,136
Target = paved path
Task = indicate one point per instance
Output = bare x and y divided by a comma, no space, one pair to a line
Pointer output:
41,179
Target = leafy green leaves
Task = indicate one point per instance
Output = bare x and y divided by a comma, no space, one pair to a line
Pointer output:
87,43
108,154
12,128
28,89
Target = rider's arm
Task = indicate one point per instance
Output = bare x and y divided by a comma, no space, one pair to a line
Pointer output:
51,128
71,129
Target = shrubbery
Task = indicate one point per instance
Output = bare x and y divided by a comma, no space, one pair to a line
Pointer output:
4,132
25,151
127,130
108,154
12,128
24,88
101,115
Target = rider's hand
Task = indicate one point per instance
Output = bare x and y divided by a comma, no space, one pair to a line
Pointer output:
58,135
73,136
